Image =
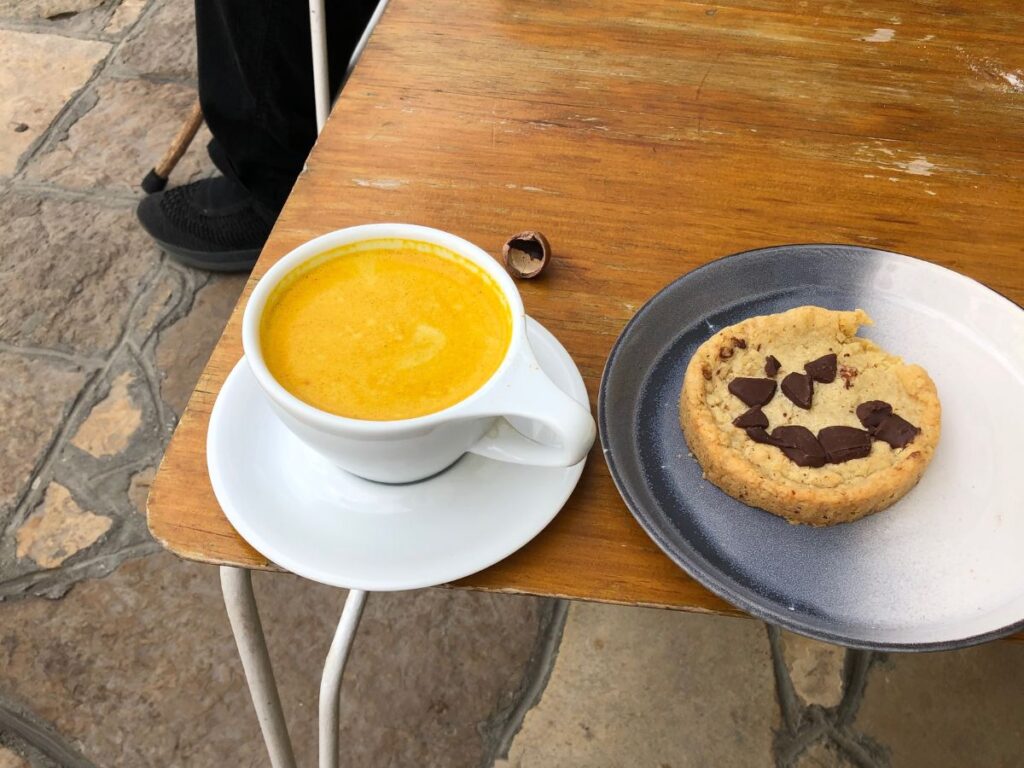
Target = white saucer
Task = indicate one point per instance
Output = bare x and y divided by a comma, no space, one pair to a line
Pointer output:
303,513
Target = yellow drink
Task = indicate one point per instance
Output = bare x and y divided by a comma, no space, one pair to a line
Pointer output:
385,329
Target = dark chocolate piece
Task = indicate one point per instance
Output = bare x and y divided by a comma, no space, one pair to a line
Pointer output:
753,418
724,352
844,443
798,388
800,446
872,413
753,392
772,365
741,343
823,369
895,430
760,435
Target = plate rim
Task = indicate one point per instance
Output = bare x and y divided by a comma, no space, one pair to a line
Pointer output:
694,569
242,527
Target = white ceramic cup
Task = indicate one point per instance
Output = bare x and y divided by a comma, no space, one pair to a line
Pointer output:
559,431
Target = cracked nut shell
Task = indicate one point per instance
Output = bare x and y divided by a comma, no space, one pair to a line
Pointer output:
526,254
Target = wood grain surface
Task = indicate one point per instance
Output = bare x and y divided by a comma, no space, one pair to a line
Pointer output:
645,139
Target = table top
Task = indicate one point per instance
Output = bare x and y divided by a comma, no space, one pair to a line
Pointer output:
646,139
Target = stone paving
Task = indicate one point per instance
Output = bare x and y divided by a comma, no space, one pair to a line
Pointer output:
101,341
113,653
641,687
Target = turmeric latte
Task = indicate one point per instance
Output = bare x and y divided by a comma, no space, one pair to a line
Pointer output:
385,329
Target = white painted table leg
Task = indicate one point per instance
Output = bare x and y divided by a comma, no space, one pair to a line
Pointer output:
334,668
358,50
236,584
318,37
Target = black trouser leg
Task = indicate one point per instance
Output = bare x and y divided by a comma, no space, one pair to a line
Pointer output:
256,85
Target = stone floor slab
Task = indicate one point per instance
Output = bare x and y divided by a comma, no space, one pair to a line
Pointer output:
815,668
126,14
69,272
165,46
35,395
184,347
949,710
72,18
140,669
35,85
30,10
138,489
11,759
110,425
114,144
641,687
58,528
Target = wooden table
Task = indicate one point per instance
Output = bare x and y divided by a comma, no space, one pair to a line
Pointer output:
645,139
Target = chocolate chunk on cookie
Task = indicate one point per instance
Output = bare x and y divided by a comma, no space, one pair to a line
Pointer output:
760,435
800,446
798,388
844,443
823,369
753,392
872,413
895,430
753,418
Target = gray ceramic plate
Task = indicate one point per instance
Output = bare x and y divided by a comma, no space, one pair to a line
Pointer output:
942,568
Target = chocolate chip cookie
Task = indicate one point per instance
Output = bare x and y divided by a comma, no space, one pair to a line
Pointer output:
796,414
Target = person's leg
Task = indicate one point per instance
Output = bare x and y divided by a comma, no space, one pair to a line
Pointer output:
256,91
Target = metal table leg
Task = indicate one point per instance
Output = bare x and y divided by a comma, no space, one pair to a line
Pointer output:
236,583
334,668
244,616
318,37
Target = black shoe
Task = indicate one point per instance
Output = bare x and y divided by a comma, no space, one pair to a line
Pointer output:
211,224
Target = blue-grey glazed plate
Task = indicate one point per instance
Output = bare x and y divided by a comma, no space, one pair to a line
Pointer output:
944,566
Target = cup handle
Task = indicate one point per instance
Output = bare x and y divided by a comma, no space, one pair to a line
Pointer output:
528,393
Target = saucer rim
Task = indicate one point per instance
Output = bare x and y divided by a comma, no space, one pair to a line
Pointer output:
293,564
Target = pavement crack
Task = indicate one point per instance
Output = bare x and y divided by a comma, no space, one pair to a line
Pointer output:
82,361
82,404
152,378
502,726
35,732
128,467
55,582
108,197
33,489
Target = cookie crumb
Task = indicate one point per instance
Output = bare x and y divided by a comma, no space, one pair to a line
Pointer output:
848,373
